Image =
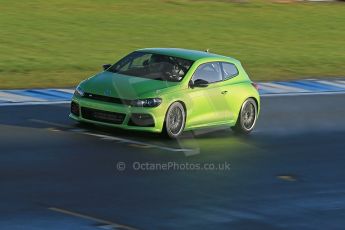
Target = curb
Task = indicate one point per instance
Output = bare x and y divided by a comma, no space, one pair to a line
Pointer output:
277,88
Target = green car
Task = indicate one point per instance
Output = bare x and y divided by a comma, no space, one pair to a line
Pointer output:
169,90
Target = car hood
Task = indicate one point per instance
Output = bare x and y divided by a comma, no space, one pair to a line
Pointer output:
123,86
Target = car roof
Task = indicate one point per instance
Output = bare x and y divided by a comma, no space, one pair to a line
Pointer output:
192,55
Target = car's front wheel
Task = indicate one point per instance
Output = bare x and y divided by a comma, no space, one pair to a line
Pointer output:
247,117
174,120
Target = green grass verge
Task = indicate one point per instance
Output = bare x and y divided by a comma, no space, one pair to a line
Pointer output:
57,43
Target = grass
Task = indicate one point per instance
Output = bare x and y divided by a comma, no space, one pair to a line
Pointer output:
57,43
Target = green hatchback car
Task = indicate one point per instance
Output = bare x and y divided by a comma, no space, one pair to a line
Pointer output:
169,90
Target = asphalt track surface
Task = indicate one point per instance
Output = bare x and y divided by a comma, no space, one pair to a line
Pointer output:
288,174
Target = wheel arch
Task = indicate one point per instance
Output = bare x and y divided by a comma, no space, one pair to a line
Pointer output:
184,106
256,102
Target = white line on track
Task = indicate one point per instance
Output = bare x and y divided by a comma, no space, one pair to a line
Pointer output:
302,94
331,83
341,82
71,91
35,103
106,223
283,94
13,97
49,123
281,88
188,152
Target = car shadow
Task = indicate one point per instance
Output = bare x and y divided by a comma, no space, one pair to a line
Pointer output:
55,117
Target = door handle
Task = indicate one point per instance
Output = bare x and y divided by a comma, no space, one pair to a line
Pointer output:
224,92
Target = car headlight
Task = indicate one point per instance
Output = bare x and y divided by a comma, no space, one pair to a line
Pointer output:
79,92
150,102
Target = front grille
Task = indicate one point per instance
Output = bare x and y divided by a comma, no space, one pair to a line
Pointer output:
102,116
106,98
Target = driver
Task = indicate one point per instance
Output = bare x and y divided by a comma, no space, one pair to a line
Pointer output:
168,67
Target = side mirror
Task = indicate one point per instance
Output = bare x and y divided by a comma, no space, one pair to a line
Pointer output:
191,84
106,66
200,83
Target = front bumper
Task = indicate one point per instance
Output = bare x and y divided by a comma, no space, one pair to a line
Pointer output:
118,115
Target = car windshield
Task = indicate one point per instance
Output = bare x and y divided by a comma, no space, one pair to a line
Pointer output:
152,66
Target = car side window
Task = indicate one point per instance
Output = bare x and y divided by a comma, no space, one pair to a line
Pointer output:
229,70
140,61
210,72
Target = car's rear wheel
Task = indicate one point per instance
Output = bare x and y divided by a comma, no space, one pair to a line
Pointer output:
175,119
247,117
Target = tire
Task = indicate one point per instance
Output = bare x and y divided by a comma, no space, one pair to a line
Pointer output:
247,117
175,119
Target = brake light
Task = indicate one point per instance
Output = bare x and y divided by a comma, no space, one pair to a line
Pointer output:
255,85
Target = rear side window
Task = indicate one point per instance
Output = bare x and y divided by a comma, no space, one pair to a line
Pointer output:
210,72
229,70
